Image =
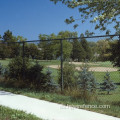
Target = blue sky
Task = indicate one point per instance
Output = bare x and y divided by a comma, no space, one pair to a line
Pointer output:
29,18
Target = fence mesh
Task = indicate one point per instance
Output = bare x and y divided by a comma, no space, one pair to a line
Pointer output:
54,54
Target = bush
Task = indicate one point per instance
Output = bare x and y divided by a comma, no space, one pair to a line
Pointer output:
36,77
86,83
16,68
40,80
32,76
68,76
13,74
50,83
1,69
107,84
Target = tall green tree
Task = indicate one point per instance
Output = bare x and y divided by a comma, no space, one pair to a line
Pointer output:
67,49
8,37
67,45
54,45
51,49
85,45
115,53
94,50
21,38
31,50
3,51
78,52
45,47
13,48
67,34
102,48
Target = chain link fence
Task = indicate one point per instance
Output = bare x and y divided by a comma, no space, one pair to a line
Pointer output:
94,51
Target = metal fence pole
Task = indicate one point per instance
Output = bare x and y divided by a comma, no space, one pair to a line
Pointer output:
23,57
61,42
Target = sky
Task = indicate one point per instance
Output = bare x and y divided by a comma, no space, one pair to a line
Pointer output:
29,18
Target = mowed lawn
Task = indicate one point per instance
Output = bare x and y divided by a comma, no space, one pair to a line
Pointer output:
57,62
10,114
5,62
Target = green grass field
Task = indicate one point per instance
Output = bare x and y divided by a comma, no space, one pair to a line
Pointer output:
57,62
5,62
115,76
103,64
10,114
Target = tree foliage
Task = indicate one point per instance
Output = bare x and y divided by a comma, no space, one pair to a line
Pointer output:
87,49
101,12
3,51
31,51
102,47
51,49
1,68
86,80
13,49
45,46
51,85
68,75
8,37
115,53
107,84
78,53
17,69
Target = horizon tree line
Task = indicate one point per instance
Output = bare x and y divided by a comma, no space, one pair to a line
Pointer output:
75,50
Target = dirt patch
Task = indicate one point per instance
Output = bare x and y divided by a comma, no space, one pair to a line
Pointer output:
96,69
54,66
80,63
101,69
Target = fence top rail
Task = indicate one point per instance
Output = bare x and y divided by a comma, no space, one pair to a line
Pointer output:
71,38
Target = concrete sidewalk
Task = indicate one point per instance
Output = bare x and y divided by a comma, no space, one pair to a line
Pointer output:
48,110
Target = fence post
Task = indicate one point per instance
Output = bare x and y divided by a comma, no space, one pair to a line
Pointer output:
61,42
23,57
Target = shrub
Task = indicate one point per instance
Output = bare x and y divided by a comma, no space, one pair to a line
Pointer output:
50,83
15,72
107,84
1,69
68,75
36,77
86,83
32,76
40,80
16,68
5,72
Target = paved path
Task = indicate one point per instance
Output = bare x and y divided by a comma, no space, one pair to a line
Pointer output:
48,110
